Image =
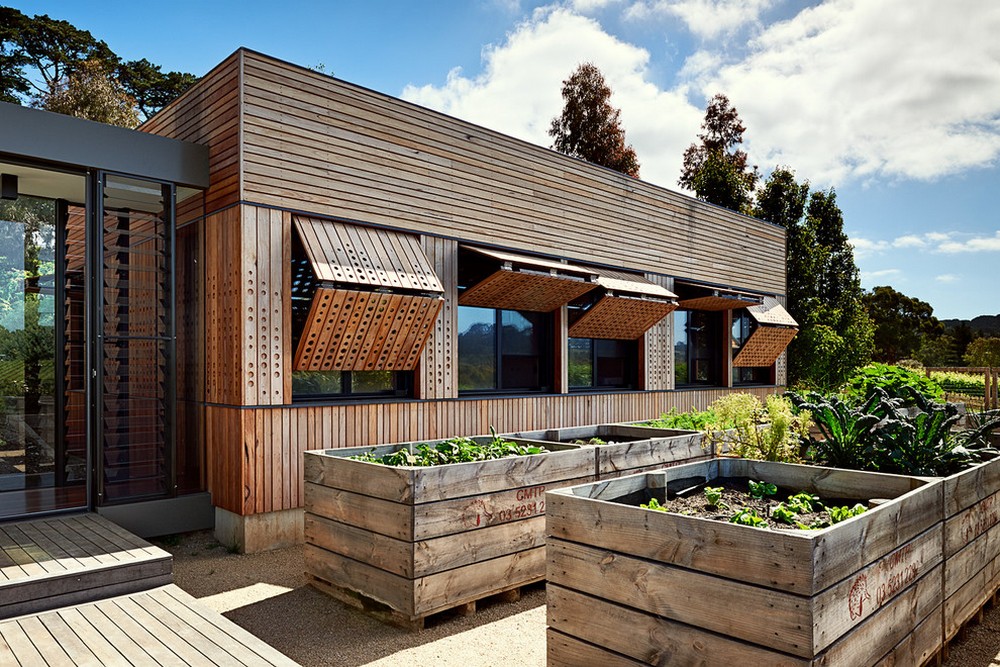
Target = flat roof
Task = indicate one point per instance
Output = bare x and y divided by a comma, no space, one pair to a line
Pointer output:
35,134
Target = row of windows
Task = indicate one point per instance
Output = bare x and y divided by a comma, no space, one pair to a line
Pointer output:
511,351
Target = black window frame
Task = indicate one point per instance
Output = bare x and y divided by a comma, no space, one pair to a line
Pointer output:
631,358
303,288
715,345
544,356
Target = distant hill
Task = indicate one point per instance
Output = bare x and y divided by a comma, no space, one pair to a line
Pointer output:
986,325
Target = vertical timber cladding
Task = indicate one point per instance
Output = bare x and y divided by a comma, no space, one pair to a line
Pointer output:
268,461
658,347
437,373
377,159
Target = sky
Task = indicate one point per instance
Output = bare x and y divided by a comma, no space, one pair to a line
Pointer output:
894,103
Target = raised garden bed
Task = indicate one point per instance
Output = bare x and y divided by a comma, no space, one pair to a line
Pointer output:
634,586
625,449
407,542
971,542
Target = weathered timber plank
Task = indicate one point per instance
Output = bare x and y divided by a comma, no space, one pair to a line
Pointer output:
565,651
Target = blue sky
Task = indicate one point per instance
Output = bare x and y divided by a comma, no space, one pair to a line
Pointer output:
895,103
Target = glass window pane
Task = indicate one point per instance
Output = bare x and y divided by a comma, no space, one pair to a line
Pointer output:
681,347
317,382
372,382
617,363
477,353
520,349
581,360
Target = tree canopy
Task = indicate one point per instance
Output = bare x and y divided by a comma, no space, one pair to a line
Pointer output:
716,169
901,323
51,64
823,287
589,126
983,352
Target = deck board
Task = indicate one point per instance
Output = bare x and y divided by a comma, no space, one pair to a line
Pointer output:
59,561
163,626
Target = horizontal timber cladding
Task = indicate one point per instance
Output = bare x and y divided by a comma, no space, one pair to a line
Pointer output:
256,453
209,114
313,143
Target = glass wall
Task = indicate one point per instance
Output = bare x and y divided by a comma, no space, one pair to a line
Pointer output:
503,350
697,347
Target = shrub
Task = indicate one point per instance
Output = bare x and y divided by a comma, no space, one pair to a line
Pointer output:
769,432
893,380
689,421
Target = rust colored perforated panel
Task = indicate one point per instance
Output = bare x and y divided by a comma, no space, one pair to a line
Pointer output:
350,330
514,290
353,254
718,302
620,318
770,312
631,283
764,346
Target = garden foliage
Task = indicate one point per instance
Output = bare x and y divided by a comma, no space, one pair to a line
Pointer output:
455,450
768,432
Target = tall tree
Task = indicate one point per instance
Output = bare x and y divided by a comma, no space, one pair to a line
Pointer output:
716,169
42,58
823,286
589,127
983,352
901,323
92,92
151,87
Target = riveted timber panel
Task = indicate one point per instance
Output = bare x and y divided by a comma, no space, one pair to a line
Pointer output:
620,318
514,290
350,330
764,346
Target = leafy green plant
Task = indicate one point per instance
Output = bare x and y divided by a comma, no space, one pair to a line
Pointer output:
686,421
761,489
713,495
953,382
803,503
847,428
749,517
454,450
589,441
838,514
653,504
769,432
892,379
785,514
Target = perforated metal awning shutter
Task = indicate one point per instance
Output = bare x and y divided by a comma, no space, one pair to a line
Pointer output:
522,282
629,306
377,300
775,330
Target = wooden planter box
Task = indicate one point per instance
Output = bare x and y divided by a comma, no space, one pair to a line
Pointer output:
630,448
411,541
971,542
629,586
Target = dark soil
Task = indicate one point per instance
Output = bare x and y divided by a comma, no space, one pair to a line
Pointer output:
735,497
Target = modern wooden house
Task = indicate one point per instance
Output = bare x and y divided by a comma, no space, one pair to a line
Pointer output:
362,270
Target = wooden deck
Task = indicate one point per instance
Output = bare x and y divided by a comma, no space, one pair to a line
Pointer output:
58,561
164,626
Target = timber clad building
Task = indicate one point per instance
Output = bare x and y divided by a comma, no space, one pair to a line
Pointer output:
311,265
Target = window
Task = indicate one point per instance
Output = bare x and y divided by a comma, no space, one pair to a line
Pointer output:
320,384
697,347
597,363
743,326
503,350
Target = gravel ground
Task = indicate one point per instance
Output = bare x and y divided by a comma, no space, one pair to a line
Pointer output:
266,594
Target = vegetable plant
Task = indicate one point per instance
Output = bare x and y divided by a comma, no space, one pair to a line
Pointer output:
769,432
838,514
653,504
803,503
688,421
847,428
784,514
713,494
454,450
892,379
761,489
749,517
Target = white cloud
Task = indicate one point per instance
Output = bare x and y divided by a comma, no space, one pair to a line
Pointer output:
946,278
882,273
972,244
590,6
866,247
852,89
909,241
518,90
707,19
